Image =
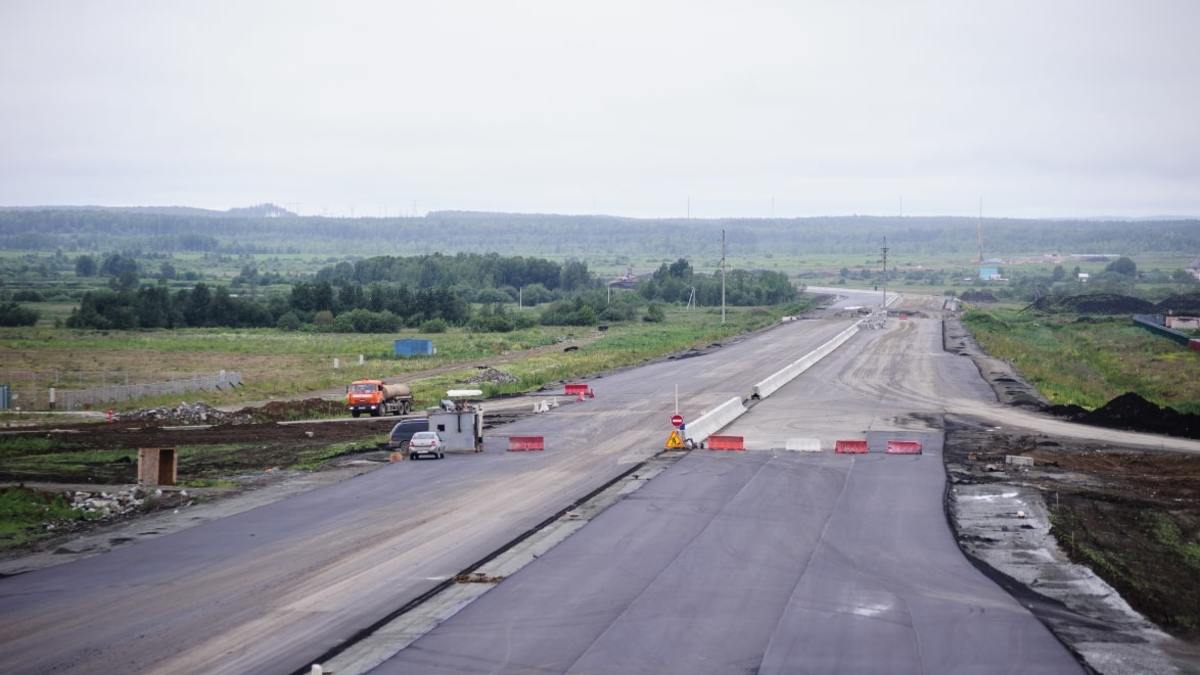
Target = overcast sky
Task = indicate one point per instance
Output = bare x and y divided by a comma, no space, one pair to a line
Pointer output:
1040,108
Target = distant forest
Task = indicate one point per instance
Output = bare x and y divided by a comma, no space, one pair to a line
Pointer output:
80,229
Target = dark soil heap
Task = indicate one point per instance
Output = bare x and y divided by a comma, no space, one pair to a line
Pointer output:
282,411
977,296
1187,303
1097,303
1130,411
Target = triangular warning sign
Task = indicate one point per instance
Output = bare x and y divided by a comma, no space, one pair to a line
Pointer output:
674,441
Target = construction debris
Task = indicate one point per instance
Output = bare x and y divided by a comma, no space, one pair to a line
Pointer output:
183,414
106,504
491,375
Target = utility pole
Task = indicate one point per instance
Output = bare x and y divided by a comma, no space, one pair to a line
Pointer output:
722,277
885,250
689,207
979,230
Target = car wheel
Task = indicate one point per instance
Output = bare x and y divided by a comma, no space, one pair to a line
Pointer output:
441,455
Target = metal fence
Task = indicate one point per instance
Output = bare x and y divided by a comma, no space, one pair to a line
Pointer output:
1153,322
76,399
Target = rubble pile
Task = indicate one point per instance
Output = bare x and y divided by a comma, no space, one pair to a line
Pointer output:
135,499
492,375
183,414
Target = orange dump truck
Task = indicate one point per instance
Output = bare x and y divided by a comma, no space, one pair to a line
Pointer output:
376,398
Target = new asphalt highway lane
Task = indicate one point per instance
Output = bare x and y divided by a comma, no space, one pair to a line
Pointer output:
772,561
271,589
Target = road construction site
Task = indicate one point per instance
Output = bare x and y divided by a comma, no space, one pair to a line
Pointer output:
765,559
274,588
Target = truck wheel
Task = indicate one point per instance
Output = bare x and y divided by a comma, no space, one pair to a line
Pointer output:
354,413
376,412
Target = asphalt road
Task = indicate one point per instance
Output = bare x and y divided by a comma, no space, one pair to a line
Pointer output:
270,589
771,561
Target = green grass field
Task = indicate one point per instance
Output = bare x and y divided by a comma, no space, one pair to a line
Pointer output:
277,364
1087,361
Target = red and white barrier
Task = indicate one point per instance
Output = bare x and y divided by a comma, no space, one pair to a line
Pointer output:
726,443
580,390
526,443
850,447
903,447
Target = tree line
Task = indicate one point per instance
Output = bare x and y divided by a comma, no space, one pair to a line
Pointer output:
560,236
432,292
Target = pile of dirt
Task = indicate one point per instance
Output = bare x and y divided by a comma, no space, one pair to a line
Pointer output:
282,411
977,296
1131,411
1096,303
489,374
1187,303
183,414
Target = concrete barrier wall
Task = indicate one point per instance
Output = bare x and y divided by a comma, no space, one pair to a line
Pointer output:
771,384
714,420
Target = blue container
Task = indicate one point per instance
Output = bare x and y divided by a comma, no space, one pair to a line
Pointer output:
413,347
5,397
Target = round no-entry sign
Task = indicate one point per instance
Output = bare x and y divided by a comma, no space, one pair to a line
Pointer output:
677,420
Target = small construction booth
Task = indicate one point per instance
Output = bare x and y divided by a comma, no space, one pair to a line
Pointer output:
459,421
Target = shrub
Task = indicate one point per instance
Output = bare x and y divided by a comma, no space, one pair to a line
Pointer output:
28,295
12,314
289,321
433,326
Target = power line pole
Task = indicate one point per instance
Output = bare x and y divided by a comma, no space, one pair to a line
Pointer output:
979,230
722,277
885,250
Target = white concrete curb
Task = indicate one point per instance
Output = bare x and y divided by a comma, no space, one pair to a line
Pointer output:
708,423
771,384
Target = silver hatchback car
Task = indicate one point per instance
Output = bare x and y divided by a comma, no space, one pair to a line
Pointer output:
426,443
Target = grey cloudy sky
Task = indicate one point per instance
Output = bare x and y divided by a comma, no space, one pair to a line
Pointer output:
1043,107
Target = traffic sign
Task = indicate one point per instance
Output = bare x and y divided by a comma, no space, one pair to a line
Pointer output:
677,420
674,441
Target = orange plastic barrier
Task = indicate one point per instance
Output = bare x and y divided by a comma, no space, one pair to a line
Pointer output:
726,443
850,447
904,447
580,390
525,443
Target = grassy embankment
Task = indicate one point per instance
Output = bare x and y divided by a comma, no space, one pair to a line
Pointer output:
1088,361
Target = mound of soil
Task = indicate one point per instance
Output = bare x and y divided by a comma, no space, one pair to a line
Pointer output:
977,296
1180,304
1131,411
282,411
1103,303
